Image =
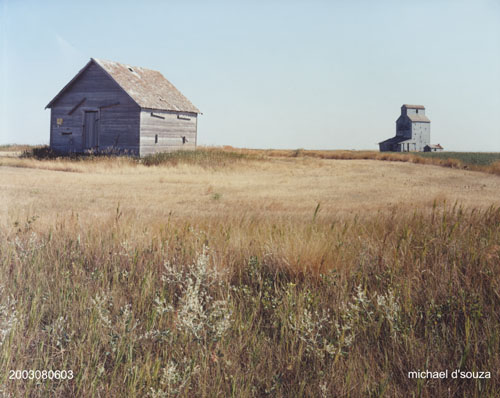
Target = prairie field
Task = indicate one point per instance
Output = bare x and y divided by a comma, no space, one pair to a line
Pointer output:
247,273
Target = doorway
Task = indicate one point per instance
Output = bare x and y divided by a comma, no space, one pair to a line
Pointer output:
90,130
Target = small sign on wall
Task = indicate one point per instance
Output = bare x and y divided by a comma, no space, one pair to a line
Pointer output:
59,121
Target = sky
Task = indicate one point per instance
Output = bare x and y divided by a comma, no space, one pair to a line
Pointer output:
270,74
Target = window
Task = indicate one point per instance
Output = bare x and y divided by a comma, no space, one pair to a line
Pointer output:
184,139
417,110
156,138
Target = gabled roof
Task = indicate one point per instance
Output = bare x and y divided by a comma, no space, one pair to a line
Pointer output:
407,106
148,88
416,117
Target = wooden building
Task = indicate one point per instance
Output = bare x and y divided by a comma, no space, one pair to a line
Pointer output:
413,131
433,148
112,107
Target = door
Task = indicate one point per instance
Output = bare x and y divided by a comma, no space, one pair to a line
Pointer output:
90,131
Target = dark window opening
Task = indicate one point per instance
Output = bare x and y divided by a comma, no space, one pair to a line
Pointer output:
156,138
184,139
156,115
417,110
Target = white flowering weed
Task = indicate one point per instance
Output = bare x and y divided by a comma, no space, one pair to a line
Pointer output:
8,315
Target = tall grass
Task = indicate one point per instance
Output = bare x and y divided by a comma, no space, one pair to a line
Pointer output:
253,307
17,147
205,157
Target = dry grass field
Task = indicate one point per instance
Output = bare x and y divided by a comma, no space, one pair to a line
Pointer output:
280,276
276,187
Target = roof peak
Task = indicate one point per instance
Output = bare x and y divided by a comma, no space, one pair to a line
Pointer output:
148,88
102,62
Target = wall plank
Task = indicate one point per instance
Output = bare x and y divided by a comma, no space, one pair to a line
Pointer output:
170,129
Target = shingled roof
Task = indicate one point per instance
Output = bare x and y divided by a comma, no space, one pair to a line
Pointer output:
418,118
148,88
407,106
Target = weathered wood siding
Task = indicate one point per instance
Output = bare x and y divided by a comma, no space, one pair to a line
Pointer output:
421,134
169,127
118,125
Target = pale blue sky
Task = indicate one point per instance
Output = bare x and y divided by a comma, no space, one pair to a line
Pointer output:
270,74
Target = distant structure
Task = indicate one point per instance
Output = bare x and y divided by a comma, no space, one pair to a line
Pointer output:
433,148
110,106
413,132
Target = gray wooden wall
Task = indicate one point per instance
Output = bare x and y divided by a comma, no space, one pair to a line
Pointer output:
170,127
118,125
421,134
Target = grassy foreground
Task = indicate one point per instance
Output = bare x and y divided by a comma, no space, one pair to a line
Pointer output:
199,308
